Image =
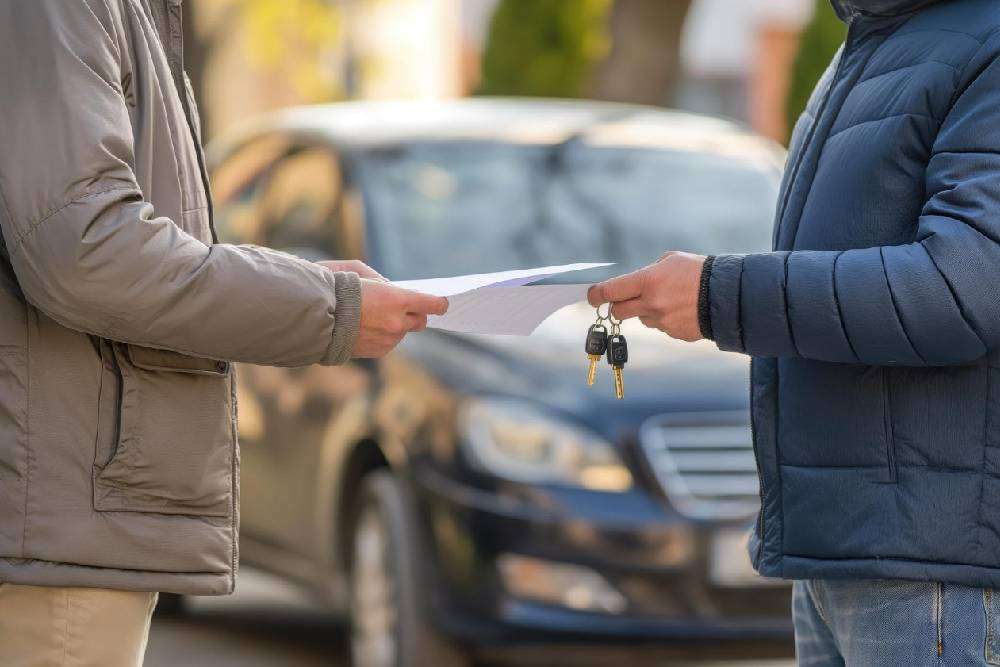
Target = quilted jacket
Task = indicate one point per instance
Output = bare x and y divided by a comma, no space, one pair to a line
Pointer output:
875,322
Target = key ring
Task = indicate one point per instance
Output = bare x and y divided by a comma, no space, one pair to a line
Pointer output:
604,318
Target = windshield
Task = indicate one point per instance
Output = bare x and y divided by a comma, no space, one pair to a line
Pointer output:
455,208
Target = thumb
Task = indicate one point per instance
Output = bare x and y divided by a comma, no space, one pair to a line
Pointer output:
621,288
426,304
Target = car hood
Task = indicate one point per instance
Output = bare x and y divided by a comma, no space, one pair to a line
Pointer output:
550,368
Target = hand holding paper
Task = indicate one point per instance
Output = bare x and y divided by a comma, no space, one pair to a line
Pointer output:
503,302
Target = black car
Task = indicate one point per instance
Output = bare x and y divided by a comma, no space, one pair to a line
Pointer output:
471,494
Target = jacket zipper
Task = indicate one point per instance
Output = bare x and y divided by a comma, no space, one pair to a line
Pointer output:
760,476
798,163
812,130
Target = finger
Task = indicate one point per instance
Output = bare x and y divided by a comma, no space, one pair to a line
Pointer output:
594,297
621,288
625,310
426,304
416,322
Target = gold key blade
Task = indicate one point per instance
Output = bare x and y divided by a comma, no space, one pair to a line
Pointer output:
619,384
592,371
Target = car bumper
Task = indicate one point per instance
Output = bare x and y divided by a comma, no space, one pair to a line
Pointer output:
656,561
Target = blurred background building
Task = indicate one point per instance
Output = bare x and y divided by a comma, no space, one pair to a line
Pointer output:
751,60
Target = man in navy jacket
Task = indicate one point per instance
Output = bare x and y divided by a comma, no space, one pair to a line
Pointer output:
874,327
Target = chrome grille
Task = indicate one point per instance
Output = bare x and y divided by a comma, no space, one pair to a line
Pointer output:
705,462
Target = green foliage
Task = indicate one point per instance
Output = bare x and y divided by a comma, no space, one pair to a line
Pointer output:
544,48
819,43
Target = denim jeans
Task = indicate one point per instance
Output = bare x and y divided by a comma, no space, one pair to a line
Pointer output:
895,622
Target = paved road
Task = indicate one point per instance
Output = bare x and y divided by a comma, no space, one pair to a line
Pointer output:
269,624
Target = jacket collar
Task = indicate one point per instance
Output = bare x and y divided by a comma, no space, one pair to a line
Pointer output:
847,9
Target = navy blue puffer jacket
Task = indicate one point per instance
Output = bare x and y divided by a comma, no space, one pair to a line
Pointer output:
875,323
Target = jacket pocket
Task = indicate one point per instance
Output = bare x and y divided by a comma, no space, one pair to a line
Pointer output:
166,440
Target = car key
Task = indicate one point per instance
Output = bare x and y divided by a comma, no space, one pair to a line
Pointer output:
618,357
597,345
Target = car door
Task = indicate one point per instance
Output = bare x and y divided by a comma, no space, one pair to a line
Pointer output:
290,196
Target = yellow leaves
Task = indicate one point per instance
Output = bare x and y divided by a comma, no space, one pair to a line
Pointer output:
297,39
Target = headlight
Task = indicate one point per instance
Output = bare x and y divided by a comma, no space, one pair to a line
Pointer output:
516,441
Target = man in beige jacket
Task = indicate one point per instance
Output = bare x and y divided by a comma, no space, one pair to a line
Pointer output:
119,317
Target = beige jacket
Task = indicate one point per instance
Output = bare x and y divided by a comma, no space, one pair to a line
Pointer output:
119,315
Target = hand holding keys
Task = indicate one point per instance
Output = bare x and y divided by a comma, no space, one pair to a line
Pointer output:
599,342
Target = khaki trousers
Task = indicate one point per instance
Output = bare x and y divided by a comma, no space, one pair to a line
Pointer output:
73,627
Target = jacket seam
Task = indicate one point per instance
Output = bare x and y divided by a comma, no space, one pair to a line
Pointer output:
741,331
906,67
959,90
788,313
883,118
826,140
803,148
895,309
104,28
51,213
27,434
913,31
840,309
918,466
951,290
118,91
982,470
899,559
77,566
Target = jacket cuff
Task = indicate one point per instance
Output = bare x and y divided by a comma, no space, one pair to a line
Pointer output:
704,312
347,318
723,296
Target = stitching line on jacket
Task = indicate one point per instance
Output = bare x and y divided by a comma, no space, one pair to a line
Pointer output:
27,431
956,94
982,468
895,308
877,467
951,289
878,120
826,140
18,562
978,40
739,307
118,91
840,310
45,217
906,67
876,559
104,28
788,315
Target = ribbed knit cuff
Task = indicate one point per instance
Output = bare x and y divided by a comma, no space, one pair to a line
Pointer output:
347,318
704,310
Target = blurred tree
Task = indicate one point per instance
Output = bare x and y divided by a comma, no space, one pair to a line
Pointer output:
289,40
644,64
819,43
544,48
296,38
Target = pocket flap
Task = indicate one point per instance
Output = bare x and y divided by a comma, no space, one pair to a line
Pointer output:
151,359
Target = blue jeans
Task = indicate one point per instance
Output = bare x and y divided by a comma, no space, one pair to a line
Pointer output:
895,622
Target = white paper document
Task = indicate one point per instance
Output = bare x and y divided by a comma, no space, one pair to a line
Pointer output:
503,302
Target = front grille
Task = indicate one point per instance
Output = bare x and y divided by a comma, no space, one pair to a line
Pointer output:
705,462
